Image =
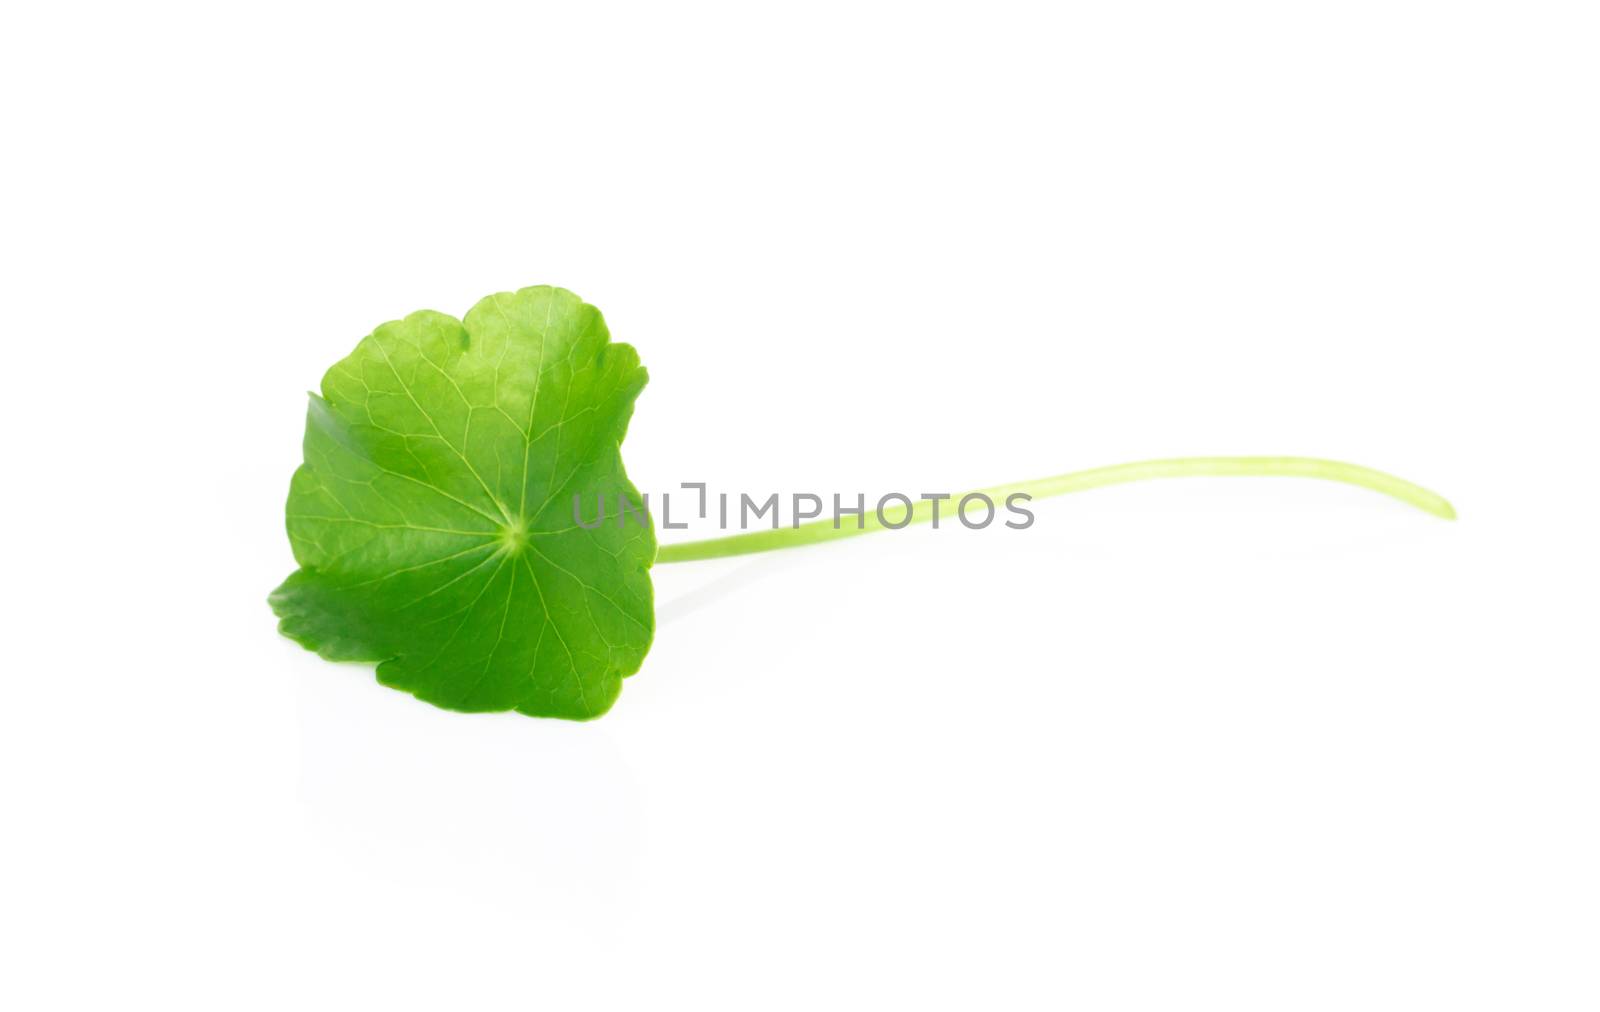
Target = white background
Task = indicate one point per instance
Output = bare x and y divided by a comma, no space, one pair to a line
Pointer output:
1247,744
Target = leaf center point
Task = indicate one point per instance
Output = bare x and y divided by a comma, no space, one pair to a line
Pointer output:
514,536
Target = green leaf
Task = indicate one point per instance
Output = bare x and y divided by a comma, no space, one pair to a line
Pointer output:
433,516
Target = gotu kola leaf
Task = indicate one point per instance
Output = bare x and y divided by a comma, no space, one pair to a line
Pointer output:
433,520
434,526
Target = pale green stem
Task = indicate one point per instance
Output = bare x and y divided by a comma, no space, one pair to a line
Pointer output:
1078,481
